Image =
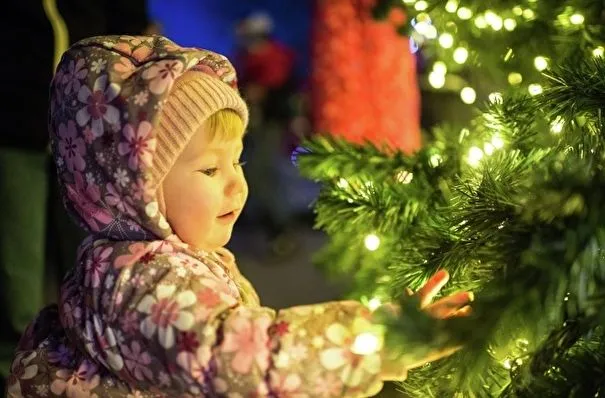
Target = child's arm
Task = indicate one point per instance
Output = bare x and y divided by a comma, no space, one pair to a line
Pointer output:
173,327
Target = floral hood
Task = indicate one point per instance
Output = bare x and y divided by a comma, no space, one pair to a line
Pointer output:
105,99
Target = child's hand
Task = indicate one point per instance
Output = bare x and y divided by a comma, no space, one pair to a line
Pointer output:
456,304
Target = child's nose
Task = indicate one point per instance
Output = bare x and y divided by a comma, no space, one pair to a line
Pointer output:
236,184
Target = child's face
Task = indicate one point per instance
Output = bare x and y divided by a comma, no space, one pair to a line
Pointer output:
205,191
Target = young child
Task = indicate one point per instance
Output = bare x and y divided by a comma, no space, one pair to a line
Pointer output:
146,136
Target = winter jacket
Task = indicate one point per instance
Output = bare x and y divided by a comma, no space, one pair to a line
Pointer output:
142,314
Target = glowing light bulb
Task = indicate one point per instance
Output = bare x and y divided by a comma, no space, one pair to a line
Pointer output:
495,97
451,6
518,11
421,5
577,19
374,303
510,24
468,95
436,80
409,1
404,177
557,125
598,52
480,22
507,363
493,19
534,89
488,148
446,40
464,13
440,67
528,13
460,55
497,142
365,344
372,242
342,183
435,160
540,63
475,154
515,78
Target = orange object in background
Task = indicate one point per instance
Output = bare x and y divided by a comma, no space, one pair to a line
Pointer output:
364,84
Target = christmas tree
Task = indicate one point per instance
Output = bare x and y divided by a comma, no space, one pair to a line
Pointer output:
512,204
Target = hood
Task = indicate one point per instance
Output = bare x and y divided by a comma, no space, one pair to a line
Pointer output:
105,101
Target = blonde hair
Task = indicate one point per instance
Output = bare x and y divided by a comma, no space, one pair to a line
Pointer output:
226,124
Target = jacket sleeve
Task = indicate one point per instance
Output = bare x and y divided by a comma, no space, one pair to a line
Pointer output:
173,326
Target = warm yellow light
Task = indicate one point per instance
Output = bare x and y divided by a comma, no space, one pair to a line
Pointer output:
440,67
528,13
518,11
374,303
540,63
515,78
446,40
342,183
480,22
435,160
497,142
421,5
557,125
510,24
436,79
404,177
495,97
475,154
365,344
464,13
409,1
493,19
488,148
577,19
451,6
507,363
598,52
460,55
534,89
371,242
468,95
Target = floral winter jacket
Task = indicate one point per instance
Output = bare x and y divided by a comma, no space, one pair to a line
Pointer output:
142,314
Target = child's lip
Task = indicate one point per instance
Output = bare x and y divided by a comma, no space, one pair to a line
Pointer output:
232,212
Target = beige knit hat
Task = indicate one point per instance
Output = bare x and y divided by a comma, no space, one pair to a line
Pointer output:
194,97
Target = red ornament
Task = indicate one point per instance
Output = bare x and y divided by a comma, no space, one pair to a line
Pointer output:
364,83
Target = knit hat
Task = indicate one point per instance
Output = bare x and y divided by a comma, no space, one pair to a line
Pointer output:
194,97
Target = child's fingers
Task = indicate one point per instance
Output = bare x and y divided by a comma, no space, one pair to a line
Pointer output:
449,305
464,311
432,287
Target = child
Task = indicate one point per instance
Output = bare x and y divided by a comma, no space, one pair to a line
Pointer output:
146,137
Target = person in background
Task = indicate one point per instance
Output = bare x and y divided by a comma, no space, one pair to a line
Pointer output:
37,241
269,85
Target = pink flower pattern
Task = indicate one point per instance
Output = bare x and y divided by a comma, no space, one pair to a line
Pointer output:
161,75
97,266
139,145
98,106
75,73
72,147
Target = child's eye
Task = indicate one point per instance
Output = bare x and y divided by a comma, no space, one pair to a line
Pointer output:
210,172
